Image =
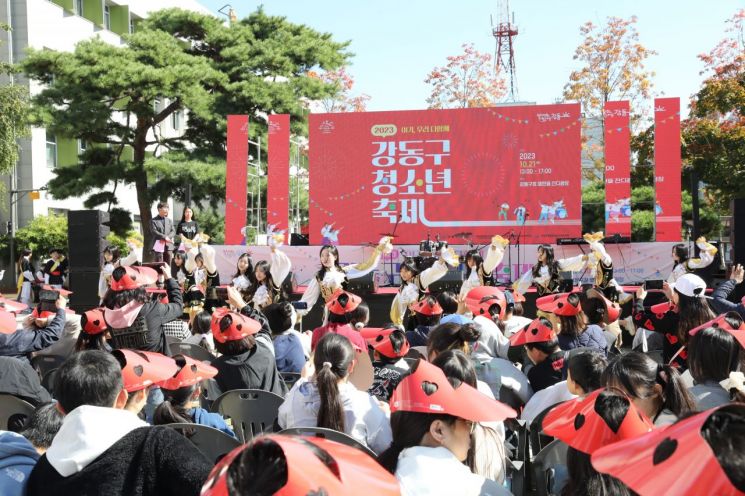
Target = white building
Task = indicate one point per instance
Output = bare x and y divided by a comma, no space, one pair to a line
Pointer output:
60,25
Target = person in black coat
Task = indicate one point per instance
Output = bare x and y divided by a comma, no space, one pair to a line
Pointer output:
162,229
103,449
720,297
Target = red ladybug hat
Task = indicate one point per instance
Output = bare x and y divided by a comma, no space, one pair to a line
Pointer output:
612,309
8,324
481,298
38,314
240,327
380,340
427,306
662,308
349,470
721,323
93,322
63,292
427,390
133,278
535,332
141,369
674,459
579,424
558,304
343,302
190,372
12,305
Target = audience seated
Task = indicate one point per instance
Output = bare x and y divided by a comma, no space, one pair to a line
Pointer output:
543,350
289,350
340,312
39,331
201,333
17,459
18,378
425,315
389,366
95,332
42,426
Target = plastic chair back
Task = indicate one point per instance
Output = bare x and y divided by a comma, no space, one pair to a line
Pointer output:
43,364
48,380
14,412
252,411
547,465
331,435
290,378
191,350
214,444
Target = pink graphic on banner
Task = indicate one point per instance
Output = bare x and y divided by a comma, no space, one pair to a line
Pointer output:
278,180
617,168
236,175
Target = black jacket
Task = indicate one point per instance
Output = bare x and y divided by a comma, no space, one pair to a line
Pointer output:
19,379
720,301
161,228
255,369
155,461
22,342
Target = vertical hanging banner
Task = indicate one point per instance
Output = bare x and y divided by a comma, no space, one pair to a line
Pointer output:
236,176
278,185
667,169
617,169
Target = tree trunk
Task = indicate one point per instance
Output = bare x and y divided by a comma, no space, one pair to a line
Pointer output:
143,197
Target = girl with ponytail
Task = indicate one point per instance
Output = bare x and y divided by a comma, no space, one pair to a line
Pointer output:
657,390
451,336
327,399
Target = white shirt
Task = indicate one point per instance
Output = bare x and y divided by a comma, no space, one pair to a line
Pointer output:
544,398
436,472
514,323
491,343
363,418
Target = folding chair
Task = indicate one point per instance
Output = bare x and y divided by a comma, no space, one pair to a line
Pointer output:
14,412
290,378
214,444
331,435
43,364
252,411
191,350
549,468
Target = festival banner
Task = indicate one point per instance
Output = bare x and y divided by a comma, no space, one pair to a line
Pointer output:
460,174
236,176
667,169
617,169
278,180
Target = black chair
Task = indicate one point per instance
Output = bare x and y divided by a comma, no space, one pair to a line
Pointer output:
331,435
509,397
253,411
214,444
191,350
14,412
43,364
171,340
210,392
48,380
547,466
290,378
538,440
519,466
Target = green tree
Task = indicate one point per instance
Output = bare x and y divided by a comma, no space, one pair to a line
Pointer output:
13,115
42,234
107,96
593,207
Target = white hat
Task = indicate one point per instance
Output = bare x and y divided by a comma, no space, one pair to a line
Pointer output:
690,285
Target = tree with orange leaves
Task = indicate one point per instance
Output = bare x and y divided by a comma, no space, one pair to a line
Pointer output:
612,68
344,100
467,80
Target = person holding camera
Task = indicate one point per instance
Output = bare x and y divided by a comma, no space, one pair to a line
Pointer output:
42,328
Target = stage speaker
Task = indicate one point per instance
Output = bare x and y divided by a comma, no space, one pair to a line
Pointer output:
451,281
363,285
297,239
737,231
86,239
84,286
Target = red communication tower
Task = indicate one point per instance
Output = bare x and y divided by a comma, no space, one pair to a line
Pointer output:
504,53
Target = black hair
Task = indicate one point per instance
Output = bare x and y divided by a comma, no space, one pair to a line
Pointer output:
692,312
117,299
477,259
162,204
594,309
733,319
272,287
724,432
456,365
279,316
175,407
551,263
249,272
586,369
87,341
584,480
547,347
448,301
412,266
175,269
636,374
262,470
26,252
116,254
397,337
43,425
183,213
427,320
573,325
90,377
450,336
516,309
335,252
360,316
712,354
201,324
680,250
408,429
236,347
337,353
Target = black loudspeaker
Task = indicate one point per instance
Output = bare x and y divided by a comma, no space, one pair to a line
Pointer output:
737,231
451,281
84,286
297,239
86,239
363,285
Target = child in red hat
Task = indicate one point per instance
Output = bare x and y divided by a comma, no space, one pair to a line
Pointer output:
426,314
542,348
389,367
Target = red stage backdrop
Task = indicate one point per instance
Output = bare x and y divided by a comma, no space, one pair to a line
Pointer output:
482,171
617,169
667,168
278,185
236,174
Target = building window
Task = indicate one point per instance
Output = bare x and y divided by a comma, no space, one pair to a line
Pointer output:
79,7
82,146
176,120
131,26
156,105
51,151
107,17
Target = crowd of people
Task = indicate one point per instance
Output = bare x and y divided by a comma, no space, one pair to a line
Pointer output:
428,402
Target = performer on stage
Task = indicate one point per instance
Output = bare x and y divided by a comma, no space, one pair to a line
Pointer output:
55,269
604,269
202,275
333,276
414,282
244,276
545,273
112,260
683,265
25,277
478,270
178,268
266,288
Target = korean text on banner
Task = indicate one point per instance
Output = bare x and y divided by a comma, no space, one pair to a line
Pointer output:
236,176
278,185
617,169
667,169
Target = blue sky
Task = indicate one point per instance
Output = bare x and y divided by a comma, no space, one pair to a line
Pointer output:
396,43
